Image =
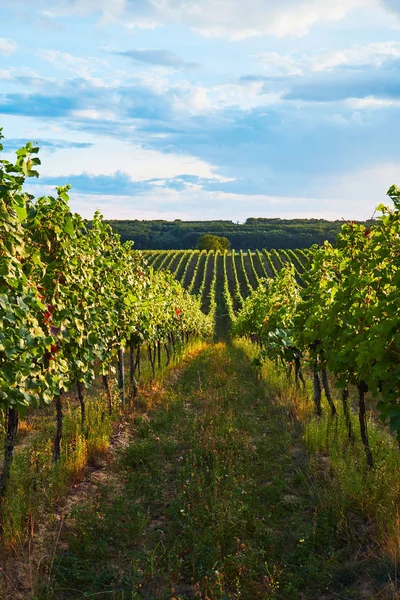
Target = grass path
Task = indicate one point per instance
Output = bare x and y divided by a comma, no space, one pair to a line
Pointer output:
210,498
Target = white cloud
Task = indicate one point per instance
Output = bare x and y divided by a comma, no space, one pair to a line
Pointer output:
237,20
7,47
246,96
194,203
352,195
233,19
341,121
280,64
84,67
356,56
375,54
107,156
94,115
370,102
199,100
110,9
6,74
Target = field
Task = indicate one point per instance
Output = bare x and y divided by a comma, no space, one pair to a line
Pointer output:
224,281
212,479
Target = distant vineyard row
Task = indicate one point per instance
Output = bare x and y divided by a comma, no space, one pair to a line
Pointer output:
238,272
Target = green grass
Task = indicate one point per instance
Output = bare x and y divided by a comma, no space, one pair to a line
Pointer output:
213,498
222,485
37,487
363,504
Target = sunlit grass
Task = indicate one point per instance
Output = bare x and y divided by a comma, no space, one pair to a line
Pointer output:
213,503
36,484
213,495
372,495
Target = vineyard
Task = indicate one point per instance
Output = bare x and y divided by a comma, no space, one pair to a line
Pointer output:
77,307
225,280
193,424
330,309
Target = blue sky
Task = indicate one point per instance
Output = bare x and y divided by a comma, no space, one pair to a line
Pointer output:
203,109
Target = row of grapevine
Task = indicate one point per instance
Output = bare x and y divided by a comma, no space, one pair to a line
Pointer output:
303,255
179,264
213,287
248,269
200,259
192,258
173,262
244,271
290,260
270,264
238,298
166,259
72,297
261,263
344,320
152,257
252,268
202,289
228,300
277,260
294,258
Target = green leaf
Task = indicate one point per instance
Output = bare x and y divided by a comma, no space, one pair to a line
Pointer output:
21,213
395,423
69,226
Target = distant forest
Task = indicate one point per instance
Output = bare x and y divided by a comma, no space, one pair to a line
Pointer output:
254,233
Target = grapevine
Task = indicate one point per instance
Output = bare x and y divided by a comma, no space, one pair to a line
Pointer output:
226,291
238,294
261,263
345,320
271,265
252,268
72,297
201,257
192,258
244,272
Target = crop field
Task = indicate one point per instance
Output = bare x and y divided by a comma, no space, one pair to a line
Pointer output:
238,273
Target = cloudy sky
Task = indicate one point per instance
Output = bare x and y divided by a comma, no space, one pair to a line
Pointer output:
200,109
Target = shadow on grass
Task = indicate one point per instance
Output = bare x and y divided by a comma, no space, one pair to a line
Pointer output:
211,499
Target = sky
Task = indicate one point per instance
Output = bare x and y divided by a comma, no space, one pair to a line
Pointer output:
206,109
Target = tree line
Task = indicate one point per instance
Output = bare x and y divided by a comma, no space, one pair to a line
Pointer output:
254,233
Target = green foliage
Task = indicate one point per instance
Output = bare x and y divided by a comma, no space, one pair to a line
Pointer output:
213,242
226,292
237,294
353,316
72,295
235,274
253,234
244,272
347,315
25,378
267,315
